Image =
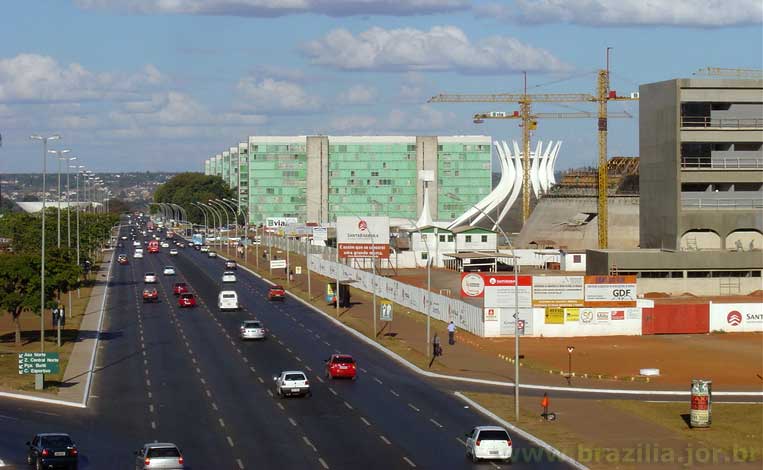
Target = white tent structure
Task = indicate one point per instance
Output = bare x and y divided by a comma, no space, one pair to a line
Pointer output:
542,163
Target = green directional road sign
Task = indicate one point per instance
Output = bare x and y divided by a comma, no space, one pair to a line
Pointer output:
38,363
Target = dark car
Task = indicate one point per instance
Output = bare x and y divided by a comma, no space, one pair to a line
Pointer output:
52,450
276,293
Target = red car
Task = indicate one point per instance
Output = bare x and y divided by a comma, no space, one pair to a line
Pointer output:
276,293
186,300
122,259
341,365
150,294
179,288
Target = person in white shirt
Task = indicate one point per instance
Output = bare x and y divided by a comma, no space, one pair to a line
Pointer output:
451,333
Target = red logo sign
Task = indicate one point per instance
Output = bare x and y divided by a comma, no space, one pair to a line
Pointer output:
734,318
362,225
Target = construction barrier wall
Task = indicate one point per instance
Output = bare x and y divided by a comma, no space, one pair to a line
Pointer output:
676,319
736,317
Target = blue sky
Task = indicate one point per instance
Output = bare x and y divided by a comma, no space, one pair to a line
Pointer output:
164,84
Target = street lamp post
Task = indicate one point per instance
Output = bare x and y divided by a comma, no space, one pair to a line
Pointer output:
68,232
516,304
203,213
213,213
224,208
246,229
217,205
60,156
76,209
569,362
39,380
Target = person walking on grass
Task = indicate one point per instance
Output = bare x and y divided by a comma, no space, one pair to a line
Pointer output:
451,333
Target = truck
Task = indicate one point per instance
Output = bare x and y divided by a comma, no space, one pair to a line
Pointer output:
197,239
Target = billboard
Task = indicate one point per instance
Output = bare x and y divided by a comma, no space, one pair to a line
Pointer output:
501,292
736,317
554,316
277,223
610,291
320,234
363,237
558,291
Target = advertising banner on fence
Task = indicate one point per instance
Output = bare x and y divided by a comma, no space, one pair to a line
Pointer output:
273,224
492,314
558,291
554,316
363,237
525,320
500,291
572,314
610,291
320,235
738,317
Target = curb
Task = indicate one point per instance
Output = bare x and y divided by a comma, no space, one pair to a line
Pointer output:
83,402
539,442
585,375
435,375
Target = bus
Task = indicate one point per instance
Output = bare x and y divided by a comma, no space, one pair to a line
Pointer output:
153,246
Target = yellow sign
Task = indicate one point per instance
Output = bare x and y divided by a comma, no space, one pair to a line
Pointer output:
573,314
554,316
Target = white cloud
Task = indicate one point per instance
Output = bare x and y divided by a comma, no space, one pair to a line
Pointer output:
269,94
419,118
354,124
358,94
691,13
38,78
269,8
441,48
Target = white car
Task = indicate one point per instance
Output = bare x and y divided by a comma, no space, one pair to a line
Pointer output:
292,382
212,254
136,243
138,254
165,245
169,271
149,278
229,276
204,248
488,442
252,329
173,252
227,300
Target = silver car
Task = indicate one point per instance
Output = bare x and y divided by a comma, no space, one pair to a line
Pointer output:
252,329
292,382
164,455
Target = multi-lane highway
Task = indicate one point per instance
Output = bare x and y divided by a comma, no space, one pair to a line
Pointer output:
184,376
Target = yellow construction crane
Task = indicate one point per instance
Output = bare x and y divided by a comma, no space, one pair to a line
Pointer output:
525,100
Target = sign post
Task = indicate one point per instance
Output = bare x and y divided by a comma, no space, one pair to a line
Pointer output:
38,363
385,313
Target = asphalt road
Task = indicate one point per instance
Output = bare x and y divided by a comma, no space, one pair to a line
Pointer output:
184,376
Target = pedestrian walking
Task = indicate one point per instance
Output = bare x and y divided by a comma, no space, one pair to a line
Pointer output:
451,333
61,312
436,349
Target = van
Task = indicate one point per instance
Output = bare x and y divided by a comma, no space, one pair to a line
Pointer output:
227,300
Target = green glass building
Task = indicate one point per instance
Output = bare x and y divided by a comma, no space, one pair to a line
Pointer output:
317,178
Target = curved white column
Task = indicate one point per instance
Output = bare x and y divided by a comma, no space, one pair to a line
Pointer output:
501,190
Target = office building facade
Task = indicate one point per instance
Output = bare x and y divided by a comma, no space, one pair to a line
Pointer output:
318,178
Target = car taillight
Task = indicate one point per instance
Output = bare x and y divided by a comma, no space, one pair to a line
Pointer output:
45,452
508,443
147,461
307,383
180,460
477,443
73,452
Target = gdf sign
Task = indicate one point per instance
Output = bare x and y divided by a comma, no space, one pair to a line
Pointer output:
623,294
610,291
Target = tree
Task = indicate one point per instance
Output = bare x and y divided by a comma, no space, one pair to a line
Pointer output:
185,188
19,287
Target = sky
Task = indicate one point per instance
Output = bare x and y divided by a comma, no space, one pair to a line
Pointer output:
162,85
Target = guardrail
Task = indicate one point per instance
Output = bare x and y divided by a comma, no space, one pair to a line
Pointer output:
708,163
695,203
724,123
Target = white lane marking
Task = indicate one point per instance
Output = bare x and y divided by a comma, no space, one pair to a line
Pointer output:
148,382
260,379
198,370
214,406
153,425
386,441
240,464
378,381
222,423
365,421
230,441
202,380
362,370
149,395
252,369
326,343
394,392
151,408
348,405
333,391
409,462
337,351
245,359
209,394
309,369
310,444
297,358
435,423
413,407
323,463
280,406
288,350
8,417
463,442
319,379
293,423
270,392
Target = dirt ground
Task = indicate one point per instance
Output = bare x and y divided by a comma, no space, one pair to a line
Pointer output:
732,361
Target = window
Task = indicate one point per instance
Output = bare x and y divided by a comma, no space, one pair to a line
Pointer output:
576,258
374,173
450,237
352,173
442,238
484,238
468,239
424,255
269,191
